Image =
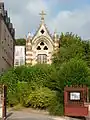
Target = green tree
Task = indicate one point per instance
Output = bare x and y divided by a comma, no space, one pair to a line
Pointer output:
70,46
75,72
86,46
68,39
10,80
20,42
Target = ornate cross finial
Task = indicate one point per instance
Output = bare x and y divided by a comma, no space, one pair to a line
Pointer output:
55,30
42,15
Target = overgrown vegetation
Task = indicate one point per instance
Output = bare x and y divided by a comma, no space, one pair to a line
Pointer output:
42,86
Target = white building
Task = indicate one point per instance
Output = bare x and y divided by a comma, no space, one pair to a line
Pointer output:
19,56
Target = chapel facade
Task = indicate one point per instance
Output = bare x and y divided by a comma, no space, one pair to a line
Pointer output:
41,47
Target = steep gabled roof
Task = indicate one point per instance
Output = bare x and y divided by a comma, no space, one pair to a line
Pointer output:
42,30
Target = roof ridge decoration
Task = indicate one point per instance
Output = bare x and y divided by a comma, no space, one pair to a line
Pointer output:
42,16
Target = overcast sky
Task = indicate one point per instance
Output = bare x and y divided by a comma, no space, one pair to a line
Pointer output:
63,15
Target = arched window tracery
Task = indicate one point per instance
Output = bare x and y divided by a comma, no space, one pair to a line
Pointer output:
42,58
42,46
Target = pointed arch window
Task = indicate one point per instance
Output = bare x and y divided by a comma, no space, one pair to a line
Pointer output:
42,58
42,43
45,48
38,48
42,46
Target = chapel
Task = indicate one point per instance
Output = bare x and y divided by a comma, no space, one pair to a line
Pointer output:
42,45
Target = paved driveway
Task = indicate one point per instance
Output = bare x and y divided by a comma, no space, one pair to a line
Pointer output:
22,115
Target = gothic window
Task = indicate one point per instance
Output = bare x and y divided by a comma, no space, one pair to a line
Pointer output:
45,48
42,43
42,58
38,48
42,46
42,31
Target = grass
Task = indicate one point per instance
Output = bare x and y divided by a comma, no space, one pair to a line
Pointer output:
16,108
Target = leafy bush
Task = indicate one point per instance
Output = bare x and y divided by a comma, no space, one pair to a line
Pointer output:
56,108
74,72
23,91
12,99
71,46
41,98
57,104
10,80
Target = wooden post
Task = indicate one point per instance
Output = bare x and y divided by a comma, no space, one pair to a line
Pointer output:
4,101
